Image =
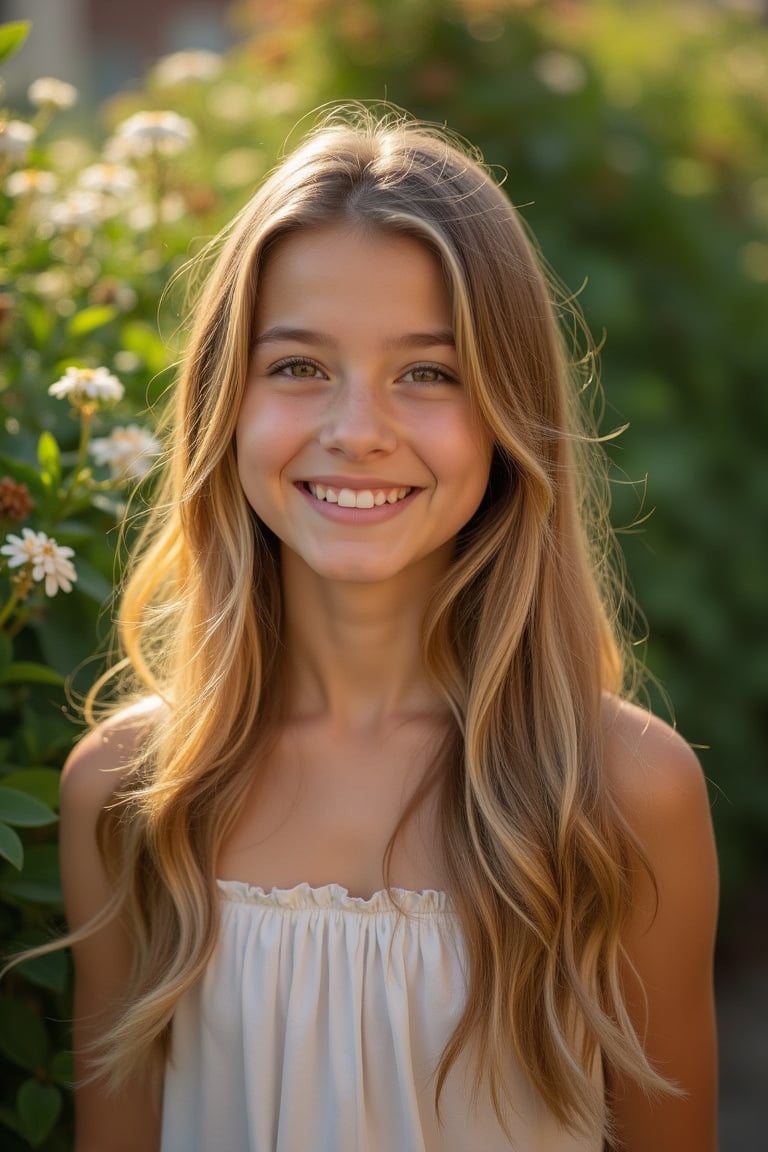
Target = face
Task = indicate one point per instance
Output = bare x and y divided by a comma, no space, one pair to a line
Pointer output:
356,441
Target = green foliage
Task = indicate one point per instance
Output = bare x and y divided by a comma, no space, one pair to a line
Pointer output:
632,136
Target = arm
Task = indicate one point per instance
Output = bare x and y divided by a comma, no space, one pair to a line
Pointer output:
660,788
128,1121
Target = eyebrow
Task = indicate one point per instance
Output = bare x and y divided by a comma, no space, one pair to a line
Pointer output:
279,333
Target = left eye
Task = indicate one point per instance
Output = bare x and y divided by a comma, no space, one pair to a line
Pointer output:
427,374
297,369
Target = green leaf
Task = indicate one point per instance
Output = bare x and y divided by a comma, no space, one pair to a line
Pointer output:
42,783
11,847
39,882
90,319
23,1039
23,810
12,36
38,1106
49,458
26,672
50,971
91,582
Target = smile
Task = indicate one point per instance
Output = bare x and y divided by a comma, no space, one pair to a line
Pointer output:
358,498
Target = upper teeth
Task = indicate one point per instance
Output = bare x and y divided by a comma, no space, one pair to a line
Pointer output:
357,498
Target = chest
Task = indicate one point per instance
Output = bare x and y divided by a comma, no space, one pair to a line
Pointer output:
322,808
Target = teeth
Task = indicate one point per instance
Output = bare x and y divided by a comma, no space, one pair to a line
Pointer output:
364,498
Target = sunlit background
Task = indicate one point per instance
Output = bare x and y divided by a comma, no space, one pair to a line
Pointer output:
635,140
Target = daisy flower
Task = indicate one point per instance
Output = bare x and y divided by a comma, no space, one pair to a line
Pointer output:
16,138
31,181
166,133
79,385
47,92
114,179
51,563
129,451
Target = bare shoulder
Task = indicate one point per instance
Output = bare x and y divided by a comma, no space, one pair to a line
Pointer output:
654,774
98,764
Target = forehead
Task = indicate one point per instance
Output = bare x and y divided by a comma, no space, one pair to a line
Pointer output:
340,270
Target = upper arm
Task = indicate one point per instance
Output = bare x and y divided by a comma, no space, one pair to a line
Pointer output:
669,936
93,772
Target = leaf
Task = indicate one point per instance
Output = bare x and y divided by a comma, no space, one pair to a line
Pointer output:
11,847
50,971
42,783
38,1106
39,882
90,319
49,458
23,810
26,672
91,582
12,36
23,1039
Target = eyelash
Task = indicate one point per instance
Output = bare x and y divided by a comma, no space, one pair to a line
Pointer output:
443,377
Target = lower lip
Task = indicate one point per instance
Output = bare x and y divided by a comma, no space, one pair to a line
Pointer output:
357,516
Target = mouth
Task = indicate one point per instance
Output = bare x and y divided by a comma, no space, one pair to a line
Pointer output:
357,497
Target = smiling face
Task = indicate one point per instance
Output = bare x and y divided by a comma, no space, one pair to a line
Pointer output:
356,441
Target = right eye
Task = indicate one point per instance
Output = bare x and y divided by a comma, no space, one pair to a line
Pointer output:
297,368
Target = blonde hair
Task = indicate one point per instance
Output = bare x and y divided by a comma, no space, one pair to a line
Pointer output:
520,637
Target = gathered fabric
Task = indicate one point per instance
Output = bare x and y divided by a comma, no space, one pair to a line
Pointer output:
319,1026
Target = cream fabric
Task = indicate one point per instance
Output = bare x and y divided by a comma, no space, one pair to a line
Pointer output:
317,1028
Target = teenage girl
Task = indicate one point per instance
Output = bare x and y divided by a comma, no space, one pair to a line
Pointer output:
377,856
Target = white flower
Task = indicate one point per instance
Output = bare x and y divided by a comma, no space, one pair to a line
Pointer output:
50,93
80,209
187,68
128,451
145,132
50,561
114,179
31,181
16,138
80,385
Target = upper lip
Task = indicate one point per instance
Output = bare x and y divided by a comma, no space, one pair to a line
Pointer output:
356,484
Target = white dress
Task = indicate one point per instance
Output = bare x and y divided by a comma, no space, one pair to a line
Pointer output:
318,1027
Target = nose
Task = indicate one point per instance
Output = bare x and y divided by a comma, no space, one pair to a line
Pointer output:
357,423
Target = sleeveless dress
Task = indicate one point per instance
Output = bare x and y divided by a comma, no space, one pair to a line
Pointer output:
318,1027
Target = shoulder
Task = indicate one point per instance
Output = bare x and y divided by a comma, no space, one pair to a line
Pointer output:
659,789
100,762
653,773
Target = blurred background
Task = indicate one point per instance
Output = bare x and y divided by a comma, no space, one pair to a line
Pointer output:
635,141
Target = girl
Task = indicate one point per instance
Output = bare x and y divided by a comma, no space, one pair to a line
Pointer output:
379,860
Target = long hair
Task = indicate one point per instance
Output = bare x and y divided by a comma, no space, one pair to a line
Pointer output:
521,638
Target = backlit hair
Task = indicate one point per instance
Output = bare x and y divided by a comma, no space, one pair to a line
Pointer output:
520,638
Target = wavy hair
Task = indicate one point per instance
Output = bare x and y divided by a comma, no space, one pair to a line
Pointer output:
521,637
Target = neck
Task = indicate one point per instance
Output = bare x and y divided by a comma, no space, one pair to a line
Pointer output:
354,650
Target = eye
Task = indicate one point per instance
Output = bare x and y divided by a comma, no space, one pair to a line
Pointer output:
428,374
297,368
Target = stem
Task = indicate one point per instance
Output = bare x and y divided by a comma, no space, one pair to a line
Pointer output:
9,607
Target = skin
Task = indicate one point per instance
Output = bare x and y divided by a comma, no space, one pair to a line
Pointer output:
372,401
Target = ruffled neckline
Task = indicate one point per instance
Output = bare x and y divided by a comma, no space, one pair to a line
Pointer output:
335,898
